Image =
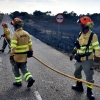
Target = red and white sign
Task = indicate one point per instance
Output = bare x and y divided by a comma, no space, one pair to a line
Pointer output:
59,18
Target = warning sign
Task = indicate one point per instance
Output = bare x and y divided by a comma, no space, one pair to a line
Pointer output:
59,18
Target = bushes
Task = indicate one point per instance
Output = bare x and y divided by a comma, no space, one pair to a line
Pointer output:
1,16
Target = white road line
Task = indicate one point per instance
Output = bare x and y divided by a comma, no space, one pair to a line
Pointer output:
38,97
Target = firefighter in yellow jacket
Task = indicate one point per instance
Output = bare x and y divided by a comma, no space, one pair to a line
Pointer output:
6,35
87,55
21,48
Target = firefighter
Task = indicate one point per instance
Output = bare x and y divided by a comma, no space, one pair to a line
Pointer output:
87,55
21,48
6,35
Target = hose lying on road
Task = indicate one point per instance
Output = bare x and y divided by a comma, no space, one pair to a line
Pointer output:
66,74
62,72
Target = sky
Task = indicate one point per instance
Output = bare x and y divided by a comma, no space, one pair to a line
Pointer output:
55,6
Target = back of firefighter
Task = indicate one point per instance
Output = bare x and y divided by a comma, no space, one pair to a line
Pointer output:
21,47
86,58
6,35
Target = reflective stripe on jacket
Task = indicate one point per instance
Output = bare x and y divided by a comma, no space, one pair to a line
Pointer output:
21,43
94,45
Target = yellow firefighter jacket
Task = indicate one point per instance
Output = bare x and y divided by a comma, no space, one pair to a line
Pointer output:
7,33
20,43
94,45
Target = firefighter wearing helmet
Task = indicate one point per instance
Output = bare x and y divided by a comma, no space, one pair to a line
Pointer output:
87,55
21,48
6,35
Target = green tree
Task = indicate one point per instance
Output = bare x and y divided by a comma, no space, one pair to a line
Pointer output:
37,13
15,14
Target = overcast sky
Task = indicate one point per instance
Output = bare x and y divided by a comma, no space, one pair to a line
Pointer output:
55,6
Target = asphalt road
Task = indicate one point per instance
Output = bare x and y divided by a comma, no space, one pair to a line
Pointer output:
49,84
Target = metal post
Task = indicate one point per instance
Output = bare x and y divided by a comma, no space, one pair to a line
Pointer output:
58,32
58,35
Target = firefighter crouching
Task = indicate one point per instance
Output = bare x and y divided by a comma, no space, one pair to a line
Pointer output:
6,35
87,55
21,48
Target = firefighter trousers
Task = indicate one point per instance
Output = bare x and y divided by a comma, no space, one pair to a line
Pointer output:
16,67
87,67
5,44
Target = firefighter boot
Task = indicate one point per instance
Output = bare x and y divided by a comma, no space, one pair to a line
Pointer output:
2,50
30,82
89,94
78,87
18,84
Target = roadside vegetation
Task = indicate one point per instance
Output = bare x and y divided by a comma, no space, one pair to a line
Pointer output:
43,26
1,16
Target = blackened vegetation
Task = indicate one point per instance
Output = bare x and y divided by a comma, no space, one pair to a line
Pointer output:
43,26
1,16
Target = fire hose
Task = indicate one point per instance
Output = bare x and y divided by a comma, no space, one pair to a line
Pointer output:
59,72
66,75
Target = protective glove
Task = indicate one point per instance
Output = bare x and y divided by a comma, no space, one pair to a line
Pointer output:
12,60
72,54
96,62
71,57
29,54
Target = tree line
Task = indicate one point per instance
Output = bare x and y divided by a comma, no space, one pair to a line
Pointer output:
70,16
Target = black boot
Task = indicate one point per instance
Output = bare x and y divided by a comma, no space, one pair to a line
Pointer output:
30,82
89,94
2,50
78,87
18,84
